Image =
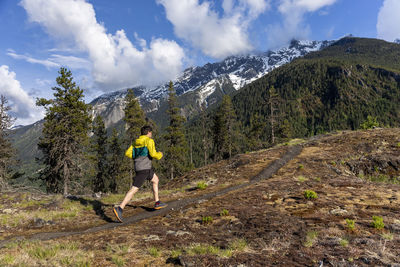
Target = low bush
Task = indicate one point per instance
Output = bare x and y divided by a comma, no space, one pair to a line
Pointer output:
377,222
309,194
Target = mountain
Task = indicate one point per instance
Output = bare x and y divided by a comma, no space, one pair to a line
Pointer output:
333,89
206,84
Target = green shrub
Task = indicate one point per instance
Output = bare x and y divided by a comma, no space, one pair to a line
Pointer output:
207,220
344,242
224,212
117,260
238,245
310,238
202,185
153,251
377,222
350,224
398,144
301,166
301,178
309,194
370,123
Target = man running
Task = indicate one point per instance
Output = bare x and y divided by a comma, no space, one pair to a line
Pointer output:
143,151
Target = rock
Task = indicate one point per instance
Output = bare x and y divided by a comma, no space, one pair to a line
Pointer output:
178,233
394,228
152,238
39,222
97,195
9,211
338,211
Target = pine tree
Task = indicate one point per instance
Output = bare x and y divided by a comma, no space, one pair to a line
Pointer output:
115,169
205,133
176,152
134,116
135,120
225,129
257,128
99,147
65,133
273,101
6,149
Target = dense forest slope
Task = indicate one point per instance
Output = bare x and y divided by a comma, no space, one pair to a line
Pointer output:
336,88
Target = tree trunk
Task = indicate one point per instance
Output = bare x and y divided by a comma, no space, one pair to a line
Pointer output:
172,172
66,178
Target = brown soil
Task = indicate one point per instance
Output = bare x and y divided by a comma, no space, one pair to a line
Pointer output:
279,226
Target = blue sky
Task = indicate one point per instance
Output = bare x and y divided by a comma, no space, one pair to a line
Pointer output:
110,45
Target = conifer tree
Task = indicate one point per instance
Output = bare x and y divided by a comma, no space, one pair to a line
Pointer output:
224,129
134,116
176,152
65,133
205,133
134,120
6,150
99,147
115,162
273,101
257,127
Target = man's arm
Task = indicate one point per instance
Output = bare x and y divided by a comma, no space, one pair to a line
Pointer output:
152,150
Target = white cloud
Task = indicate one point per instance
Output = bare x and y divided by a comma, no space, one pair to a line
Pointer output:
216,36
116,62
54,61
389,20
293,26
22,105
47,63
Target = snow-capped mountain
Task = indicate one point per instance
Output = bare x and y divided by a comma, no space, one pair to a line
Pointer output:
202,82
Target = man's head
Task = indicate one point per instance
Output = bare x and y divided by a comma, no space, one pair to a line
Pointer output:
146,130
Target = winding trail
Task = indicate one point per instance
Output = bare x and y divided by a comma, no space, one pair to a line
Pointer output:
172,205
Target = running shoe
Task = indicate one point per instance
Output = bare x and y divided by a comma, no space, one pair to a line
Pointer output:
118,213
160,205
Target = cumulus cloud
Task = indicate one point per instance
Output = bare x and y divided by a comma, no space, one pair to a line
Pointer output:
389,20
22,105
116,62
215,35
293,26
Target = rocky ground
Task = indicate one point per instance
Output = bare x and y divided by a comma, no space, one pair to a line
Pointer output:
349,217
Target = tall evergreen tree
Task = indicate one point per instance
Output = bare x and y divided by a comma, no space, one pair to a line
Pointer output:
135,120
273,102
99,147
205,133
65,133
115,167
6,150
257,127
225,129
176,152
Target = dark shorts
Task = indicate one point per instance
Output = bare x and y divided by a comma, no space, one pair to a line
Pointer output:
142,176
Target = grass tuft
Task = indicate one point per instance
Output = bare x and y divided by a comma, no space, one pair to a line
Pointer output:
224,212
153,251
207,220
310,238
309,194
377,222
350,224
201,185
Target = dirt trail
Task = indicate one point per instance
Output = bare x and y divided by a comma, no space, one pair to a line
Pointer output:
172,205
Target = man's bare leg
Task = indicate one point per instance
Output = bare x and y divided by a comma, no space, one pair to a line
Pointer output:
128,196
155,187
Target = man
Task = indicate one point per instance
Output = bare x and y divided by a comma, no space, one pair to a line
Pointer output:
143,151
